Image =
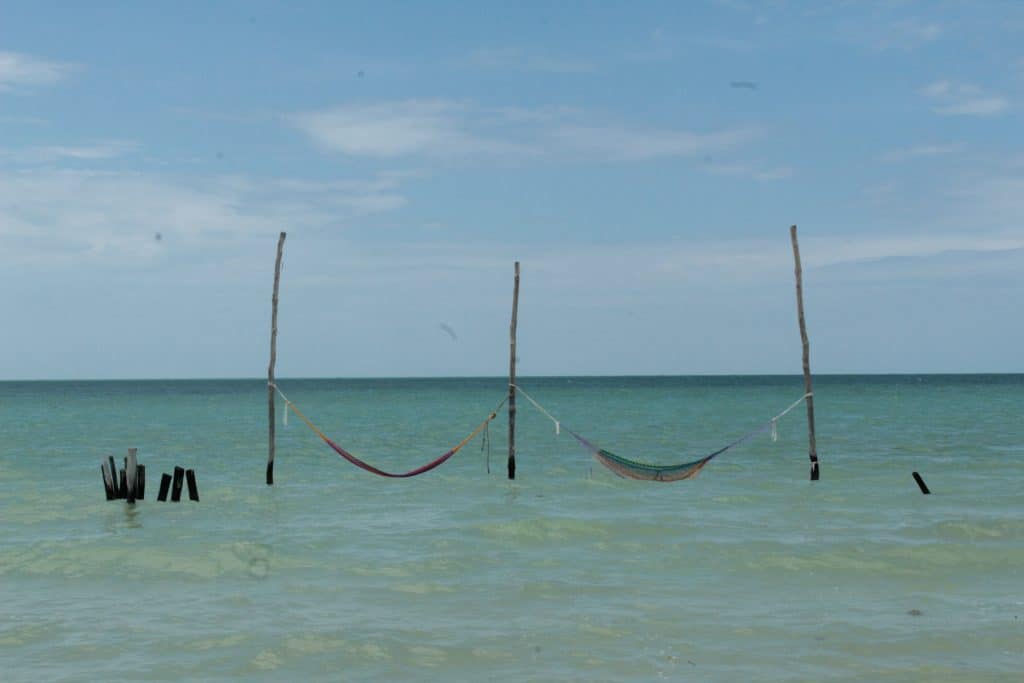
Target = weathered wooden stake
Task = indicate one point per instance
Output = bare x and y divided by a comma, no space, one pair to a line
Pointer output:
131,464
193,489
812,448
122,488
920,484
273,359
108,481
140,482
512,380
179,479
165,485
113,476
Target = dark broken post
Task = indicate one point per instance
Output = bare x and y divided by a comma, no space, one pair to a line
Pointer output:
179,478
193,489
165,485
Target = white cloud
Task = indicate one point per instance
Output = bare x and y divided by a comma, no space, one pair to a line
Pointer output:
624,144
444,129
937,89
979,106
964,99
439,128
921,151
517,59
47,153
887,33
751,169
53,216
21,70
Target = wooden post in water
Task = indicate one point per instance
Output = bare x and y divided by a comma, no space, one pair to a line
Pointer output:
512,380
131,464
812,446
165,486
179,480
193,489
109,485
273,359
140,482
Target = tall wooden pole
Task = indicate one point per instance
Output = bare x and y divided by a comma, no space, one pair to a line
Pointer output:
512,380
812,446
273,359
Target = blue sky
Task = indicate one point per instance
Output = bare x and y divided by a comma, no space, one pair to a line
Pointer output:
642,160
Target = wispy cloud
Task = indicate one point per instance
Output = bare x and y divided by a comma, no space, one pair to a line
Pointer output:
623,144
751,169
883,33
21,70
50,216
437,128
519,59
921,152
109,149
445,129
963,99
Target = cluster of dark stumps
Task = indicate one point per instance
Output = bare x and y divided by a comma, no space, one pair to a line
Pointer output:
129,484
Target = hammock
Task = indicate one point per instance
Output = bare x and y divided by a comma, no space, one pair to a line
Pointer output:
634,469
370,468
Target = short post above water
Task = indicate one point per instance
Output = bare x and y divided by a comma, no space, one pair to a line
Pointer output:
812,446
273,360
512,380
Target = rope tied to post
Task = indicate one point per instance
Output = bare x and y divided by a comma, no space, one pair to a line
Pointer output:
634,469
362,464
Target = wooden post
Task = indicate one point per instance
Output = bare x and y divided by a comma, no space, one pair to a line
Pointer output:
512,380
131,464
113,476
812,446
140,482
179,479
193,489
165,485
109,487
273,359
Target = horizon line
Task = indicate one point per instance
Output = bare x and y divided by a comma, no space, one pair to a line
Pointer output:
502,377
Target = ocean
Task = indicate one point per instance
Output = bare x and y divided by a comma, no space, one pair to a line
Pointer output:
749,572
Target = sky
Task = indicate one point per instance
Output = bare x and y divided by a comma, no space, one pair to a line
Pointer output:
642,160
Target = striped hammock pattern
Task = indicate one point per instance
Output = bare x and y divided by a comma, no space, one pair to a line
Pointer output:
362,464
633,469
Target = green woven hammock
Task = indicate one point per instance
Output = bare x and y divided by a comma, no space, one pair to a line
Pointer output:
634,469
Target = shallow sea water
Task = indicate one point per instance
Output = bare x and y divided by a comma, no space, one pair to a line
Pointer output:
749,572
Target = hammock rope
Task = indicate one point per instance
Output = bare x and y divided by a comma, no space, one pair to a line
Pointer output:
634,469
362,464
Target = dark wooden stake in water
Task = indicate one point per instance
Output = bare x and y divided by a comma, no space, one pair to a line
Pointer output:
113,476
512,380
140,482
131,464
109,488
273,359
193,489
179,479
165,486
813,448
920,484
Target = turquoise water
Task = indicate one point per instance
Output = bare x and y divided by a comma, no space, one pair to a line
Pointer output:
749,572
